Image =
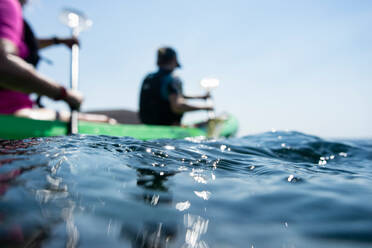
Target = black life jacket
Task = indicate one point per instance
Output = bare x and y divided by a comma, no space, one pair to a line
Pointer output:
154,109
33,57
32,45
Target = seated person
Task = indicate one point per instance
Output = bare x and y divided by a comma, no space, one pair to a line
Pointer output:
18,78
162,101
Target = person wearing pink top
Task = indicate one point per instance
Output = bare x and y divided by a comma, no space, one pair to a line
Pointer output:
18,77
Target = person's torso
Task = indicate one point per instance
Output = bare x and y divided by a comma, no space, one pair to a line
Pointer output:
154,103
11,25
12,28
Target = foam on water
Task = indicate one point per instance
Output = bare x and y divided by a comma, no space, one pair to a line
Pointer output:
277,189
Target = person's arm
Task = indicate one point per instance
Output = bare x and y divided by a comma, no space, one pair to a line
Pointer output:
206,96
16,74
179,105
69,42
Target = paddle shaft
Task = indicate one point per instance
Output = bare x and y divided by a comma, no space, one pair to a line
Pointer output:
208,84
74,81
209,101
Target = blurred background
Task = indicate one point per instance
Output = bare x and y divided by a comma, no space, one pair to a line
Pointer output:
283,65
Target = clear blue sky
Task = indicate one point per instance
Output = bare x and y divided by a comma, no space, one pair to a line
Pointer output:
283,64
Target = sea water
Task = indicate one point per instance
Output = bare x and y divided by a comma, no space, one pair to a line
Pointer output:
277,189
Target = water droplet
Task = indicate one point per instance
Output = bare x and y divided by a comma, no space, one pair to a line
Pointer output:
322,161
343,154
290,178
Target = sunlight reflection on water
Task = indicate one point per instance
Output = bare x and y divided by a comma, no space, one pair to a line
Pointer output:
97,191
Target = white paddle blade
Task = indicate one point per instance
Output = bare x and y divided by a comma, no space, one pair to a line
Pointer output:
75,20
209,83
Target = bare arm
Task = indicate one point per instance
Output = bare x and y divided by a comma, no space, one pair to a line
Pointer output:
198,97
16,74
179,105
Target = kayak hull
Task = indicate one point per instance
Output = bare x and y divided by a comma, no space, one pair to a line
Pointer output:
12,127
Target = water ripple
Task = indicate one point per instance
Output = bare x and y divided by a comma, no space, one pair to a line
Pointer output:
277,189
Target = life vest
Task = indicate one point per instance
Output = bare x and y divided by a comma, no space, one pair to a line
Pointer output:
32,45
155,108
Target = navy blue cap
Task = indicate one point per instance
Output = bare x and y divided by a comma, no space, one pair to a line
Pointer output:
167,54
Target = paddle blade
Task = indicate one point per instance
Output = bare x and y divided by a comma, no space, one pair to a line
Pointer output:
75,20
210,83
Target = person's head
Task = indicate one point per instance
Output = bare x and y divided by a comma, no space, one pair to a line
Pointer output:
23,2
167,58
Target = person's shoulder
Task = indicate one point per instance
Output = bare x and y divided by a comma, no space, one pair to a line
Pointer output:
10,18
150,75
175,78
9,7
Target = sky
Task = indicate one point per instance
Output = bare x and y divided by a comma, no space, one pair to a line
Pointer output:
282,64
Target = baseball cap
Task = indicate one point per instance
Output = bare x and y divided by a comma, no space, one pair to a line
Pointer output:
166,54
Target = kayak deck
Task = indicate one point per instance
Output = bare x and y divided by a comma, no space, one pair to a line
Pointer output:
12,127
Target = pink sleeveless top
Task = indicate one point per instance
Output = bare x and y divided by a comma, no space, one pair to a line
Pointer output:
11,28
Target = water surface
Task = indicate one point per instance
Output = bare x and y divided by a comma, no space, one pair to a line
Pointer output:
277,189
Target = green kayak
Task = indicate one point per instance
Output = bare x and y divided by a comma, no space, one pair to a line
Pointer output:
12,127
